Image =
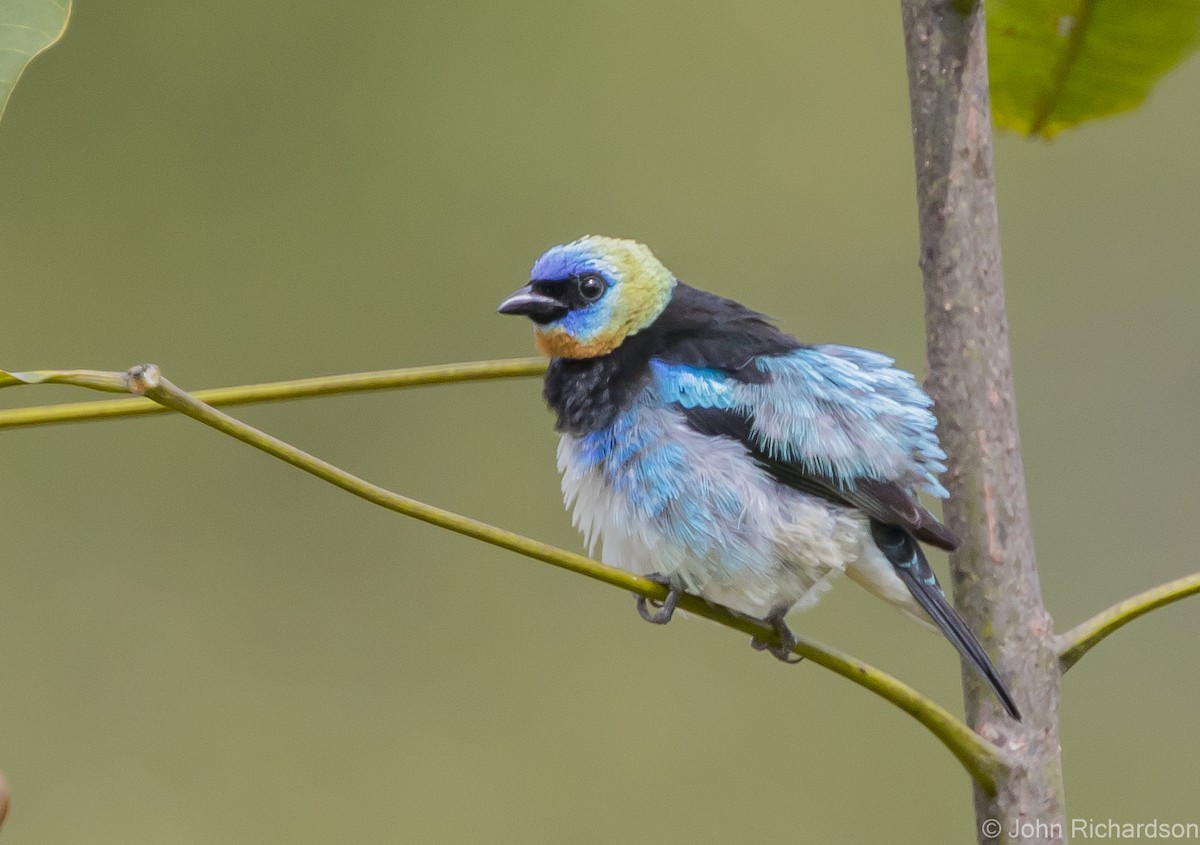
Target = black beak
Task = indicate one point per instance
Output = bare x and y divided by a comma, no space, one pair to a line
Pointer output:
536,306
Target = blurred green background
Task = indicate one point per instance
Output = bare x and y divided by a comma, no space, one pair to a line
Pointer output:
200,644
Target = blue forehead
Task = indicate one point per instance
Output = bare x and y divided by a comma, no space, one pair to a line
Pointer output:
566,260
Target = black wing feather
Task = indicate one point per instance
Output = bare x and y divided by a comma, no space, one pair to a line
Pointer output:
882,500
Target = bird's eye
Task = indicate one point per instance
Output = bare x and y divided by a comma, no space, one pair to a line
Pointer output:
591,287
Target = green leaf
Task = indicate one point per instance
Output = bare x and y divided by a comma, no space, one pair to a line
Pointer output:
1057,63
27,27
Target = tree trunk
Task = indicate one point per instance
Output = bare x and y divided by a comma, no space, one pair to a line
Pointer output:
994,572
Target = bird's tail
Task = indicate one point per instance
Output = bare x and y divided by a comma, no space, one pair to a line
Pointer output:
911,565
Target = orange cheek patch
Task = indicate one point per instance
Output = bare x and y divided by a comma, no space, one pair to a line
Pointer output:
559,344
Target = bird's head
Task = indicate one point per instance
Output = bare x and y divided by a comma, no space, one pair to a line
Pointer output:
587,296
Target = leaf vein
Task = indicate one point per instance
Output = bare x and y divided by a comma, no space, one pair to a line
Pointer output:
1062,70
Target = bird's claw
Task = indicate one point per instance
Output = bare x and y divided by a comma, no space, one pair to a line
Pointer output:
787,641
666,607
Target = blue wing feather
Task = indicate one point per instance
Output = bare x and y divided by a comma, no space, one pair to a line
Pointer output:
838,411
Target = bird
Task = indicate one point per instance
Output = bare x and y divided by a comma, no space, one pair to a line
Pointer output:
704,448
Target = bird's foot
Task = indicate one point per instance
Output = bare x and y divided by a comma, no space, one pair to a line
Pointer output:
666,607
787,640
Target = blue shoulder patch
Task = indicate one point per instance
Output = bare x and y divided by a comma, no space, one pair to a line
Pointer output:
693,387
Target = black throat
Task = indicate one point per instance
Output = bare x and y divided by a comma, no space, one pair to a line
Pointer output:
696,329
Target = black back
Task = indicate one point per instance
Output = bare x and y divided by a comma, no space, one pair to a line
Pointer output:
696,328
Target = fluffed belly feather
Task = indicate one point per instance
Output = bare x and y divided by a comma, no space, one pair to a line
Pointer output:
658,497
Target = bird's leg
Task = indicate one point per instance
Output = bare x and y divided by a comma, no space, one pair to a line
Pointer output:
666,607
787,640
